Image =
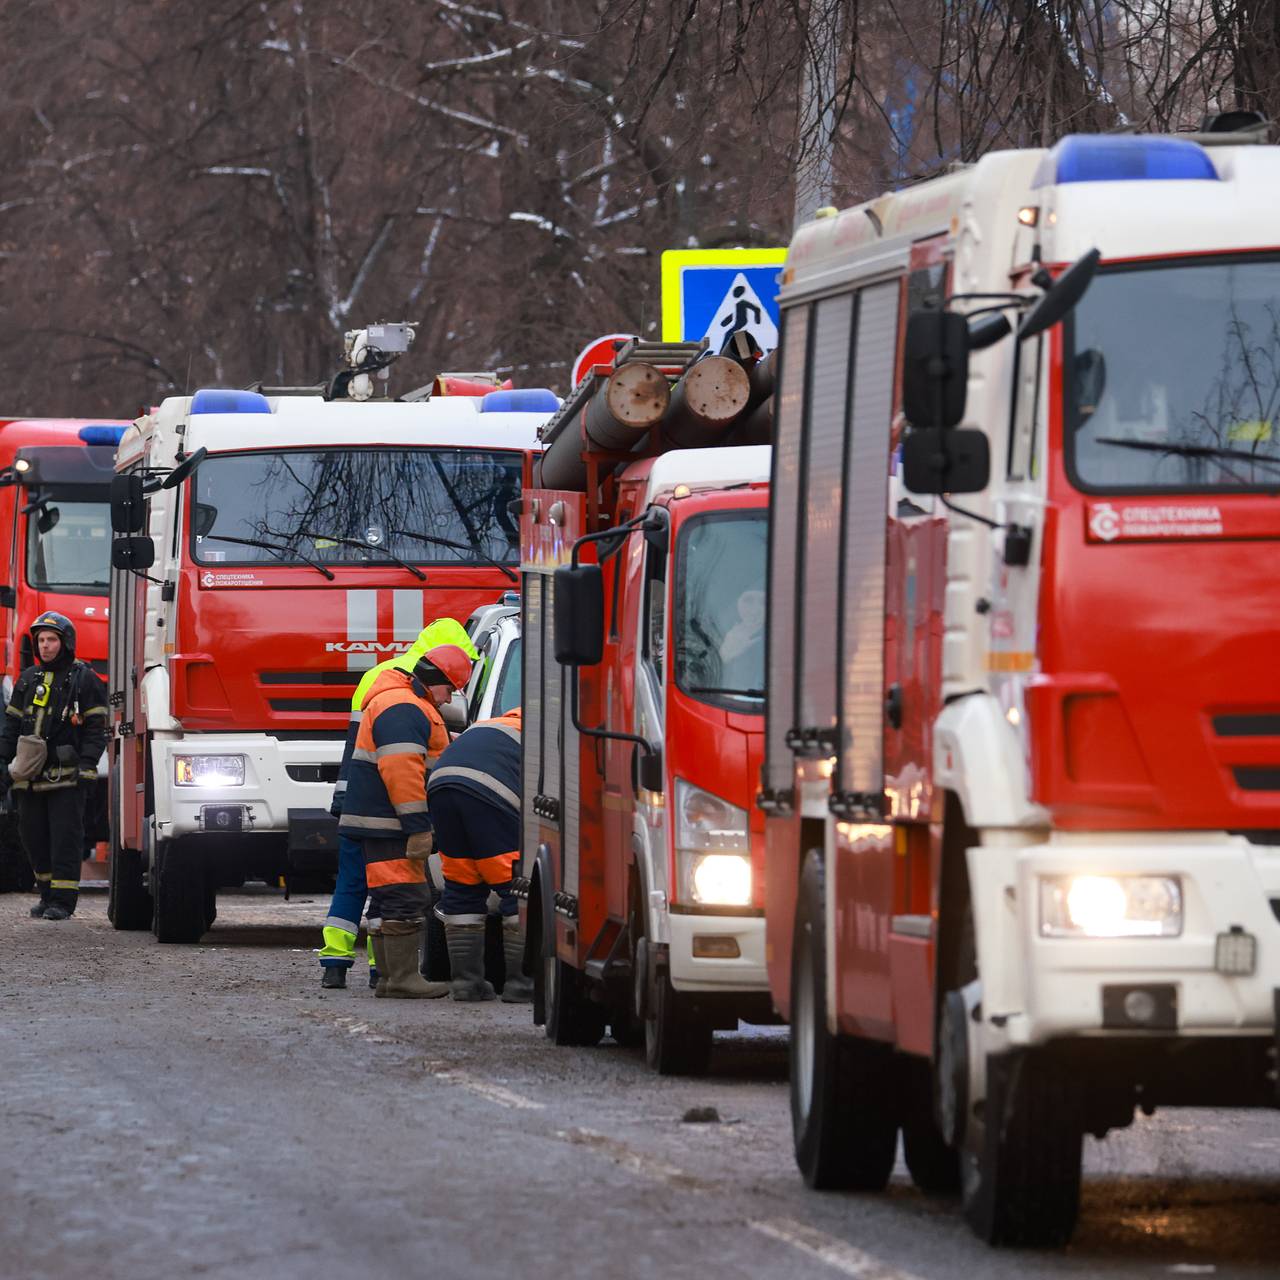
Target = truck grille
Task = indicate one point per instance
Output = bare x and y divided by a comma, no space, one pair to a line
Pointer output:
312,772
1253,778
330,706
1247,726
348,679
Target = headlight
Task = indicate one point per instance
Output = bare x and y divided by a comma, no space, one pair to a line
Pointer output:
208,771
713,849
1110,906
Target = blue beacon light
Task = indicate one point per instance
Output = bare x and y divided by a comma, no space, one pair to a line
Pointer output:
1112,158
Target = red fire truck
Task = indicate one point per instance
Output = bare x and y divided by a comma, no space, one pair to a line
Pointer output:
55,539
1022,765
643,644
269,549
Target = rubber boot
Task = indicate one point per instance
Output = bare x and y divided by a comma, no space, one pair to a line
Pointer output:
466,962
400,950
42,906
333,977
56,911
379,963
516,988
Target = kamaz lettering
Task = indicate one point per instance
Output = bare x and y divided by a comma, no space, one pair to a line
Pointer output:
367,646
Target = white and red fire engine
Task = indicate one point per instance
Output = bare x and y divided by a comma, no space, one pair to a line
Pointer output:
643,648
270,549
1022,766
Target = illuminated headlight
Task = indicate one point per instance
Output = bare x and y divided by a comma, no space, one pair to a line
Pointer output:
208,771
713,848
1110,907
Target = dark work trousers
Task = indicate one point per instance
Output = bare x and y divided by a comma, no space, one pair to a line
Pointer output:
51,824
397,884
479,844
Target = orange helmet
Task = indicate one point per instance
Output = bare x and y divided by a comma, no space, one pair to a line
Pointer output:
445,664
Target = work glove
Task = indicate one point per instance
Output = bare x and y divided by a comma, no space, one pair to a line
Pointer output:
421,845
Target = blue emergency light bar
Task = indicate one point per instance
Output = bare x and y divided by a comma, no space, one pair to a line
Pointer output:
100,433
1092,157
521,400
223,400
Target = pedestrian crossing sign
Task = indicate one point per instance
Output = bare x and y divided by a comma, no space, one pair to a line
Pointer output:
710,293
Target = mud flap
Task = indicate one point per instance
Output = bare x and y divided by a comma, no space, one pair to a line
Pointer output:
313,840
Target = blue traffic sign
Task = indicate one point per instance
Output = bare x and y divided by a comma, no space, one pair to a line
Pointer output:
709,293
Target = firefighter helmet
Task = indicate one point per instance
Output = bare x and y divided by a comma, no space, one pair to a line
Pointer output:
59,623
445,664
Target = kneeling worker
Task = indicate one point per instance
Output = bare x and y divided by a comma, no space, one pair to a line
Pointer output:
474,794
401,736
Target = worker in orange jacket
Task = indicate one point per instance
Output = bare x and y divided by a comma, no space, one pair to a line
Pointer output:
401,736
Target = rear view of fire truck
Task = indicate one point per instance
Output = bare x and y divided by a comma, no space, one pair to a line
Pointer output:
1022,767
269,549
643,551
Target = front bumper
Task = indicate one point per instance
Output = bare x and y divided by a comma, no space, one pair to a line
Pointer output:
745,973
1072,985
267,794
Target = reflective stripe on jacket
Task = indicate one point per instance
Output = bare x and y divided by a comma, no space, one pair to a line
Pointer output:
485,761
400,737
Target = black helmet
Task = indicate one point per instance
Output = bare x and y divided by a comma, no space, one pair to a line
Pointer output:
55,622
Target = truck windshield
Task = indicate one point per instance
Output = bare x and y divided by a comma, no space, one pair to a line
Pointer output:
69,541
1172,379
357,506
718,638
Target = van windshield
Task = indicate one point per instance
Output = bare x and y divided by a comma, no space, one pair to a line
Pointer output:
718,639
69,540
1172,379
357,506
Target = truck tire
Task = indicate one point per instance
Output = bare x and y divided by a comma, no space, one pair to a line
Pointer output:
572,1018
934,1166
129,904
676,1041
844,1099
178,893
1023,1187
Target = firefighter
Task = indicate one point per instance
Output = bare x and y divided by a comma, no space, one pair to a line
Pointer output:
400,738
55,730
474,795
337,955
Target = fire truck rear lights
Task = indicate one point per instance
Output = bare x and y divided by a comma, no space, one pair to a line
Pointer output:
1236,952
521,400
208,771
223,400
101,434
1103,158
1110,907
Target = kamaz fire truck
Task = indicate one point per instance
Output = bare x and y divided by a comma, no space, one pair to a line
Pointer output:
643,559
55,540
1022,763
269,549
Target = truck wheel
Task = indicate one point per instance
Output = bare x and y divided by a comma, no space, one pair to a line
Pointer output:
177,891
933,1165
1023,1186
844,1104
128,902
572,1017
210,901
676,1041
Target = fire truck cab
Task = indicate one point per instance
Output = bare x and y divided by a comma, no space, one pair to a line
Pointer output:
1022,765
643,642
269,550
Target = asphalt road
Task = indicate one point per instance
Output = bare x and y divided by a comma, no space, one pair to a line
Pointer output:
207,1110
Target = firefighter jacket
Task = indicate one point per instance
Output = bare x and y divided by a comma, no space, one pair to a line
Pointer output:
401,735
66,705
485,761
441,631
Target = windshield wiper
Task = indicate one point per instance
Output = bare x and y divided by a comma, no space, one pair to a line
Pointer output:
363,546
276,548
715,688
457,546
1191,450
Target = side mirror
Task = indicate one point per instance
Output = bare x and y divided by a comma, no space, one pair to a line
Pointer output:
47,518
986,331
946,461
935,368
128,513
657,530
649,770
184,468
454,712
579,615
1063,294
134,555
